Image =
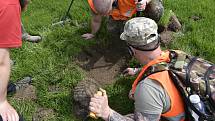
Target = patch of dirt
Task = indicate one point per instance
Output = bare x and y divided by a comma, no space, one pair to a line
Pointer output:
174,24
104,63
54,89
28,93
82,93
43,114
196,18
166,37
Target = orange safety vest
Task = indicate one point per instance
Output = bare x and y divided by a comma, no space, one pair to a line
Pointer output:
177,103
124,10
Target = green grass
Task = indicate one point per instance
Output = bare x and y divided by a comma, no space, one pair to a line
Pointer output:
51,61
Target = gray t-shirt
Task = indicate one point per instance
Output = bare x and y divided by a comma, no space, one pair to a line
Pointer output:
151,99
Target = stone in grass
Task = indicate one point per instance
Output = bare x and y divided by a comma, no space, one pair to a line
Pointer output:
82,93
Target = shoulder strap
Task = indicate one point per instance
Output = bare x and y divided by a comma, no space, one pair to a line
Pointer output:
164,57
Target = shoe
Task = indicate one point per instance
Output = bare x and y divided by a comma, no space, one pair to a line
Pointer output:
29,38
23,83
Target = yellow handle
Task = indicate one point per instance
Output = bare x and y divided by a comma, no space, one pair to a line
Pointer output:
91,114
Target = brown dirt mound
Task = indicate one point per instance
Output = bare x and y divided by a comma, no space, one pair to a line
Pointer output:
104,63
166,37
43,114
28,93
82,93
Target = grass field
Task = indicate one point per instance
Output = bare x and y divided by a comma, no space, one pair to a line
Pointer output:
50,61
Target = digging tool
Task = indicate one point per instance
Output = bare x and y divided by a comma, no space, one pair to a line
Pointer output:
66,18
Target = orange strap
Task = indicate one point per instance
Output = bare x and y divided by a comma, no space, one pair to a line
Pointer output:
90,2
164,57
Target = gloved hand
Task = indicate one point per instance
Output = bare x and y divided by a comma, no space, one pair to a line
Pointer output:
140,6
99,105
130,71
87,36
7,112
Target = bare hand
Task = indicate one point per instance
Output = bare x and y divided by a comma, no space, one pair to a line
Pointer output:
7,112
130,95
140,6
87,36
99,105
130,71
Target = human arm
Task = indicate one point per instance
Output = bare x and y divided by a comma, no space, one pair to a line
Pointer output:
131,71
99,105
95,26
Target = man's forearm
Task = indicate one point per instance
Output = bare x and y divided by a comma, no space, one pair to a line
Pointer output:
137,116
96,23
114,116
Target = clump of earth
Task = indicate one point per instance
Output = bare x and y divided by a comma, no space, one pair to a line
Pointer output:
28,93
167,32
43,114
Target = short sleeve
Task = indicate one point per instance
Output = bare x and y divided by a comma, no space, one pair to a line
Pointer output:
151,98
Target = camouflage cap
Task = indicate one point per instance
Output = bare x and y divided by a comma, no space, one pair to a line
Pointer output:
140,31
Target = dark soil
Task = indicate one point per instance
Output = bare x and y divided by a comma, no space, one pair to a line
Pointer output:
166,37
82,93
196,17
104,63
43,114
28,93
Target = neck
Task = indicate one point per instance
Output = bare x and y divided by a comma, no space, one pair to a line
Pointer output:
147,56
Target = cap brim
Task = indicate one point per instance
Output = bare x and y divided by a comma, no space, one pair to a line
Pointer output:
123,36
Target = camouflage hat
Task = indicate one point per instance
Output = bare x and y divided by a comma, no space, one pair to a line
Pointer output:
140,31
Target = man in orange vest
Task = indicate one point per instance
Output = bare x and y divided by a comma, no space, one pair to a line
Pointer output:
155,95
120,11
